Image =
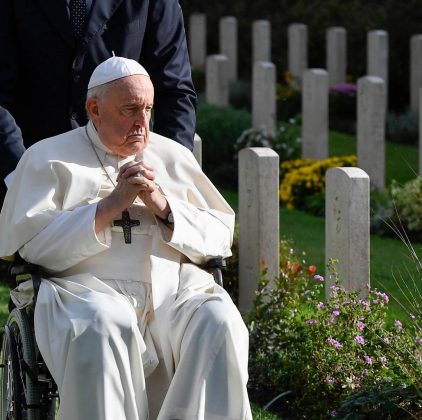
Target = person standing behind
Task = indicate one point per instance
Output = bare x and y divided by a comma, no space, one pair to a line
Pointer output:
11,146
50,48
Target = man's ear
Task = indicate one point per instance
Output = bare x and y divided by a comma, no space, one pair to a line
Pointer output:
91,106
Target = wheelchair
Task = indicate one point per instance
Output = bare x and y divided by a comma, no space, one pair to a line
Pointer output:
27,389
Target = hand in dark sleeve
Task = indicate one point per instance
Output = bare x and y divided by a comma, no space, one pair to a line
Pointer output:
165,56
11,144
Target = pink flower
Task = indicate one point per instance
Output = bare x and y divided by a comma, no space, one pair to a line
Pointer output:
420,341
360,325
386,341
398,324
359,339
333,413
344,88
311,321
336,313
334,343
320,305
364,303
368,360
383,296
329,380
318,277
383,359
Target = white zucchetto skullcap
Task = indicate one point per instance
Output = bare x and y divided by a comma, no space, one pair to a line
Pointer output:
115,68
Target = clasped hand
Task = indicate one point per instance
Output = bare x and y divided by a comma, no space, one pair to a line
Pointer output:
137,179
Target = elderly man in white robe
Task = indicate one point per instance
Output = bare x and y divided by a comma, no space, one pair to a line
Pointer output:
119,219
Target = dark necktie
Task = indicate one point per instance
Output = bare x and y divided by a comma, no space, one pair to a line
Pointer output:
78,13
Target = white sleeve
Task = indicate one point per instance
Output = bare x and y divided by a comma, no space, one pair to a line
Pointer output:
67,240
198,233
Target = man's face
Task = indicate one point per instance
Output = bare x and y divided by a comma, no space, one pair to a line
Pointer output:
121,116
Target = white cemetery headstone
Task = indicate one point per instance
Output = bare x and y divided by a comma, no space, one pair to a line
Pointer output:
415,71
216,80
297,51
336,38
228,44
420,132
264,97
258,220
197,148
261,41
371,106
315,114
347,232
377,56
197,40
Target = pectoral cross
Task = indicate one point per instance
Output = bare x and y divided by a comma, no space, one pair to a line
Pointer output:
126,223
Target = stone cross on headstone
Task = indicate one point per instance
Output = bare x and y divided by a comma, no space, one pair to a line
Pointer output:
336,54
371,103
315,114
347,231
126,223
259,209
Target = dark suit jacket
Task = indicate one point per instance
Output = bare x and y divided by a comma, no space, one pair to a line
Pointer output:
44,74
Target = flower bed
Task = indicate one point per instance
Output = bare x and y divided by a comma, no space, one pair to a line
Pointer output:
318,356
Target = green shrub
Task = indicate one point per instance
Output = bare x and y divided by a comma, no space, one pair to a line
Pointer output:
400,209
407,200
240,94
286,142
402,128
198,79
289,98
219,128
317,354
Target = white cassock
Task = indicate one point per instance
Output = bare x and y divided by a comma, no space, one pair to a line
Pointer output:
128,331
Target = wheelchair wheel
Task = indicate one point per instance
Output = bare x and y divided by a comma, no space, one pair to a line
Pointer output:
19,388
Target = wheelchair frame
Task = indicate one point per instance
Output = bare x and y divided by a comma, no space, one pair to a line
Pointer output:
27,389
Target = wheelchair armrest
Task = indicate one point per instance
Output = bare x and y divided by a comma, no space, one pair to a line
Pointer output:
20,270
214,266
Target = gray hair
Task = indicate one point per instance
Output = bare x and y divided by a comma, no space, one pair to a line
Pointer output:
97,91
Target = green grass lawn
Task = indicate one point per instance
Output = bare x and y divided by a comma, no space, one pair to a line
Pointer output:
401,161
